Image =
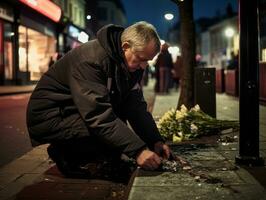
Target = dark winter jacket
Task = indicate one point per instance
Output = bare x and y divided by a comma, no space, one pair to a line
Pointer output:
89,91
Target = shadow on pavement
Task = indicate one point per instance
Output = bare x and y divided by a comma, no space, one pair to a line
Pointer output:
54,186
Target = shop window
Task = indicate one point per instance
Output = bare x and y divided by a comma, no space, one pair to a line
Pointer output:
8,51
263,55
35,51
22,49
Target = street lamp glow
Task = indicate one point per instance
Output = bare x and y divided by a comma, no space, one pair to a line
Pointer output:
229,32
88,17
169,16
162,42
174,50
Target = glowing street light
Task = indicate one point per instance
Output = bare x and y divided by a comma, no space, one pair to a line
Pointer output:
169,16
229,32
88,17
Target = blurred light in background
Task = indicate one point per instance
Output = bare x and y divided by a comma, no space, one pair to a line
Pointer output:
47,8
174,51
77,34
83,37
229,32
168,16
73,31
162,42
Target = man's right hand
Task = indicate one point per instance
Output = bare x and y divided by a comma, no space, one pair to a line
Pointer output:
148,160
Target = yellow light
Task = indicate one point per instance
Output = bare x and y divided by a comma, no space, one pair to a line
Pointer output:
229,32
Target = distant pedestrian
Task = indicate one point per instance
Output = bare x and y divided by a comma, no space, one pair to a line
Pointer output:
176,71
164,65
233,62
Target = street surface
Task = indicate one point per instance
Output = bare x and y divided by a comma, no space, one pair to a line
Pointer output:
14,140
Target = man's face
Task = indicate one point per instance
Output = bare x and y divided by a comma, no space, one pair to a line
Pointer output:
138,59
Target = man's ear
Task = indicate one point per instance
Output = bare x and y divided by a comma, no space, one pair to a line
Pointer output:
125,46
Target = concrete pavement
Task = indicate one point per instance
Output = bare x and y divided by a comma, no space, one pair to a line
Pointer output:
9,90
213,174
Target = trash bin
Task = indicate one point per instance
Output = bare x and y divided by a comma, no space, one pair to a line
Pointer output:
205,90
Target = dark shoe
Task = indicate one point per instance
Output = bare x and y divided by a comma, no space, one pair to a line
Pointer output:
66,167
117,170
111,170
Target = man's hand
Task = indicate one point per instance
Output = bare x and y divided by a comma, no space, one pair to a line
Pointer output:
148,160
162,150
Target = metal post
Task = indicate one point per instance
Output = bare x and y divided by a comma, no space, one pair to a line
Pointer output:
249,85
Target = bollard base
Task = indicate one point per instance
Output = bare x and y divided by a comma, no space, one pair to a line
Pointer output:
249,160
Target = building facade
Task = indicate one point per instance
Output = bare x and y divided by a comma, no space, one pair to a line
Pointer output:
217,46
104,12
28,38
32,33
72,32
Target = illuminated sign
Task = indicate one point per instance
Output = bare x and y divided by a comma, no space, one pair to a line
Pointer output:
73,31
83,37
77,34
46,7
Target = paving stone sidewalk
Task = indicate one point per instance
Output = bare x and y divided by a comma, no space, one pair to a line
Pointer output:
213,173
34,176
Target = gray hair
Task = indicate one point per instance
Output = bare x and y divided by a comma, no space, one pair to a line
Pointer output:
139,35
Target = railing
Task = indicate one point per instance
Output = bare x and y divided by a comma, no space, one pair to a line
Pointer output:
231,82
220,80
228,81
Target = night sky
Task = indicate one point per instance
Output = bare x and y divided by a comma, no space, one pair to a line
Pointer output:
153,11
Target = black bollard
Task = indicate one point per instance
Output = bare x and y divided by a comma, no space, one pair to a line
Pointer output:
249,85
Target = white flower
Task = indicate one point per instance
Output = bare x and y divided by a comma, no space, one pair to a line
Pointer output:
180,134
196,108
193,128
183,109
166,117
176,138
172,110
178,115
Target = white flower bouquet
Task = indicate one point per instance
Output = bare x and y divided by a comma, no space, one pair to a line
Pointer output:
184,124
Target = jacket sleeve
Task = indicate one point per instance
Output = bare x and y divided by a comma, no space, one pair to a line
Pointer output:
90,94
140,119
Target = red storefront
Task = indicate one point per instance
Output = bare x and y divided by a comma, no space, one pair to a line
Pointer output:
29,41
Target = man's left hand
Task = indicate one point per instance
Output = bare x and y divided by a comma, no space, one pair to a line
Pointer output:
162,150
